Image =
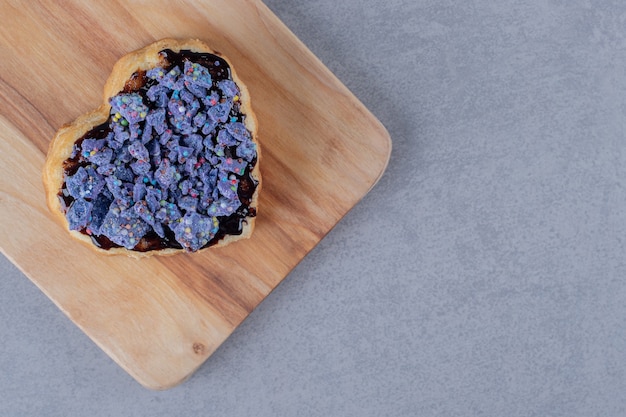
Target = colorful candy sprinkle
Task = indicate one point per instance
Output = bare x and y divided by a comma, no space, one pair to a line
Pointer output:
173,159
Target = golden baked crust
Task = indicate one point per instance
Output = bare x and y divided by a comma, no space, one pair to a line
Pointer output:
62,144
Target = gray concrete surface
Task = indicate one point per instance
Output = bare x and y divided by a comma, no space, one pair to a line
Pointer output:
483,276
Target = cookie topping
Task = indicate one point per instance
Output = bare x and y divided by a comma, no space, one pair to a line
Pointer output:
171,166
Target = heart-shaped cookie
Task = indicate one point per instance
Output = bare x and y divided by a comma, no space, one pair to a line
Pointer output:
167,164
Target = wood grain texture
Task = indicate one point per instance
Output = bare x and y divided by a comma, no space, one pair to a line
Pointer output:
160,318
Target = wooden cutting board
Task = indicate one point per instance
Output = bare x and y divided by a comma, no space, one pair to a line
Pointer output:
160,318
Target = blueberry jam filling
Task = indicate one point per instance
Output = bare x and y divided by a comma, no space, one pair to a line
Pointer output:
171,167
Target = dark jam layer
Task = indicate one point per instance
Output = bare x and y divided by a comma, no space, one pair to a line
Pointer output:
139,83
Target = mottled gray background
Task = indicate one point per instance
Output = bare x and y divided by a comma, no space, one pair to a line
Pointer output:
483,276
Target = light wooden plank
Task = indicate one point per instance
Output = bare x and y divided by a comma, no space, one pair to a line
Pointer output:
322,151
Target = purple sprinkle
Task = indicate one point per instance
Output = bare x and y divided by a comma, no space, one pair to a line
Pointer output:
156,73
123,226
184,153
168,214
120,190
225,139
134,131
238,131
223,207
220,111
194,231
121,134
193,141
165,137
140,167
188,203
165,173
156,118
153,147
184,187
138,151
89,145
146,136
98,212
208,143
196,90
209,126
170,79
199,75
123,156
129,106
236,166
139,191
147,215
124,173
199,120
101,157
106,170
208,175
190,165
85,183
227,185
155,93
187,96
173,143
229,88
78,214
247,150
153,197
211,100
